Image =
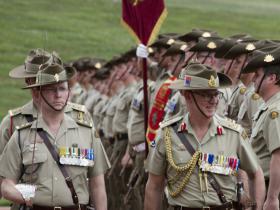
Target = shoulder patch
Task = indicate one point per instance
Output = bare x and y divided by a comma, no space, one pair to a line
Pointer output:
169,121
274,115
14,112
255,96
231,124
77,107
26,125
242,90
85,123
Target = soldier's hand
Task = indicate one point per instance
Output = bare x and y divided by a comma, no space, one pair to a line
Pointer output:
271,204
126,160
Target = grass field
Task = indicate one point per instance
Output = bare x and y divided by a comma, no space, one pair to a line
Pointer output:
76,28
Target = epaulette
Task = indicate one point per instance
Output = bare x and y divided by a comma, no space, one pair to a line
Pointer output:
85,123
242,90
26,125
78,107
169,121
231,124
14,112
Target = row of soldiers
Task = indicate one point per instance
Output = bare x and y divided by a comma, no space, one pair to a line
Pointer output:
112,95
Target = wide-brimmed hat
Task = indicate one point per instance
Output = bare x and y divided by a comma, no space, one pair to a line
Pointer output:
32,63
195,34
210,44
198,76
178,47
264,59
163,43
52,74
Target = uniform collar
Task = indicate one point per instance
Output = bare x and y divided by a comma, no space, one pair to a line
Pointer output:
273,99
215,127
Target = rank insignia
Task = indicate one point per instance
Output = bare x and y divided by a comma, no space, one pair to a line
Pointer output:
212,82
219,130
255,96
274,115
187,80
242,90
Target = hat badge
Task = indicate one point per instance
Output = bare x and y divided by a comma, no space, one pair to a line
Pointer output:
268,58
170,41
206,34
212,82
183,47
97,65
56,77
250,47
211,45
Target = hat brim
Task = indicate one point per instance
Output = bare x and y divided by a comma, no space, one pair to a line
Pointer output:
70,72
20,73
224,82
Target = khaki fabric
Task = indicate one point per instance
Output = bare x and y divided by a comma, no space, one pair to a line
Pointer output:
224,101
17,117
235,101
265,136
122,109
76,92
230,143
110,110
175,106
51,187
248,109
135,123
97,114
92,99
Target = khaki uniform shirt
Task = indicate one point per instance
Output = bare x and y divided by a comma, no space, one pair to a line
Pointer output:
265,136
97,114
76,92
92,98
135,123
51,186
175,106
223,102
122,109
250,105
235,101
229,144
110,110
18,117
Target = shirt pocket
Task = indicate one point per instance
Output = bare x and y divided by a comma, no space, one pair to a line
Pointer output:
121,105
32,165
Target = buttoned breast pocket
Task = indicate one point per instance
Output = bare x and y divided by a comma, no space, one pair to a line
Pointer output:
33,158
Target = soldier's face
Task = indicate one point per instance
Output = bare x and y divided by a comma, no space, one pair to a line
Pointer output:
236,67
263,83
56,95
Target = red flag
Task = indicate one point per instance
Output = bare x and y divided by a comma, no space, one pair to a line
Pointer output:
143,18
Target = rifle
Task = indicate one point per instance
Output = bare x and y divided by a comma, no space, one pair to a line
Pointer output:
124,167
130,185
243,200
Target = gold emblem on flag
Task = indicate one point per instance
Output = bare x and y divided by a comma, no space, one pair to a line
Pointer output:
212,82
56,77
211,45
250,47
135,2
268,58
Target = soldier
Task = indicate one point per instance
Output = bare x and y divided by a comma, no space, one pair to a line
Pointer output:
198,153
265,133
53,155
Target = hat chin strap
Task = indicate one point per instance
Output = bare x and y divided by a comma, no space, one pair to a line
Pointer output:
259,86
199,107
57,110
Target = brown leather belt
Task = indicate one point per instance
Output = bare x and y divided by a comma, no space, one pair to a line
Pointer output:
226,206
81,207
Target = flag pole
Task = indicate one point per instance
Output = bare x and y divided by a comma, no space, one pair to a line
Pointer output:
146,106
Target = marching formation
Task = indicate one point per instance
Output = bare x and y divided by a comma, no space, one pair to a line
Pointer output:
212,138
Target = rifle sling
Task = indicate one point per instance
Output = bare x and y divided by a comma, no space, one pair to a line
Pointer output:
212,180
62,168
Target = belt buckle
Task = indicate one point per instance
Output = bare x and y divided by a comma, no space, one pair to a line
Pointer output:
57,208
206,208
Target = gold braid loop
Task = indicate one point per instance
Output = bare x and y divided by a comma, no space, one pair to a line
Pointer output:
188,168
